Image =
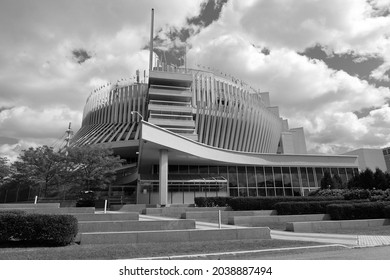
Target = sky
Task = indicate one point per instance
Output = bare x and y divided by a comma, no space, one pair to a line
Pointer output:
326,64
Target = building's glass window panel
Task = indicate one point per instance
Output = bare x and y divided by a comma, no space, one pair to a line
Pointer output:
241,172
173,169
271,192
334,171
233,192
349,173
213,169
279,192
305,182
203,169
306,192
250,174
243,192
319,175
233,177
260,179
269,177
194,169
310,173
326,170
222,170
286,178
183,169
261,192
252,192
343,175
278,177
288,191
155,169
295,181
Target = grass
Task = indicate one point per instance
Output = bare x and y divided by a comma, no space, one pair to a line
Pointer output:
379,230
128,251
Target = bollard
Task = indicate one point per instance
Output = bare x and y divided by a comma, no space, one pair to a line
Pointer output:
105,206
36,199
219,219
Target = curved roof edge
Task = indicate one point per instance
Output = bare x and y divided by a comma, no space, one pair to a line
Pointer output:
182,149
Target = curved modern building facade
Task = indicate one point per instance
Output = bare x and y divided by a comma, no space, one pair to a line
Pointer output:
193,132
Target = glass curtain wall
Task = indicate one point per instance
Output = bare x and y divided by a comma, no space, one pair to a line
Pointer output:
262,180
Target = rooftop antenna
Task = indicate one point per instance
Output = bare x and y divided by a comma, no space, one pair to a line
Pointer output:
151,43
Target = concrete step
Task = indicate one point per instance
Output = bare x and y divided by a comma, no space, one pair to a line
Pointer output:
318,226
129,216
272,221
28,205
174,236
177,211
212,216
64,210
118,226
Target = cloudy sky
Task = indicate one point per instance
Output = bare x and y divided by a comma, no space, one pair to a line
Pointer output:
326,63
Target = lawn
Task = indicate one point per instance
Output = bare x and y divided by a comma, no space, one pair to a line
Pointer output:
379,230
128,251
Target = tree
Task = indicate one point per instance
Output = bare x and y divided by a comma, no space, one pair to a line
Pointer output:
366,179
4,168
40,167
326,181
380,180
337,182
91,167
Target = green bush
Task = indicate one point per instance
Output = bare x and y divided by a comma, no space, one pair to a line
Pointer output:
298,208
353,211
268,203
386,211
212,201
52,230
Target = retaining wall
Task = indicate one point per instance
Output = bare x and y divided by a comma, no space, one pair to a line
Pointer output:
212,216
115,226
129,216
175,236
275,221
28,205
177,211
319,226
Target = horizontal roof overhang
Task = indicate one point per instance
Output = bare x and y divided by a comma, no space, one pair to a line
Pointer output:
182,150
191,178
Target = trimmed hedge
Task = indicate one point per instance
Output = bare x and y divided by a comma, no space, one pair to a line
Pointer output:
212,201
52,230
268,203
353,211
309,207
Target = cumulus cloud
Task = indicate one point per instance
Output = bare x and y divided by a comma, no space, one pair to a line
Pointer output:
54,53
309,93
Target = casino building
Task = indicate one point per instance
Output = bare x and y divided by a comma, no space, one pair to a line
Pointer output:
186,133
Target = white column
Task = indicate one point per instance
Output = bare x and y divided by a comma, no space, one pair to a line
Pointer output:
163,174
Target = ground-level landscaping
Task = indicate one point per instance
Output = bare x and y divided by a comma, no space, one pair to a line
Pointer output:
128,251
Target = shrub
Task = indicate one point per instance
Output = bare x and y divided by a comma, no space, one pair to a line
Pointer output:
212,201
352,211
309,207
53,230
268,203
86,199
298,208
386,211
357,194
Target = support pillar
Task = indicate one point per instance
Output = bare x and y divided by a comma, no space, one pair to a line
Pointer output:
163,174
